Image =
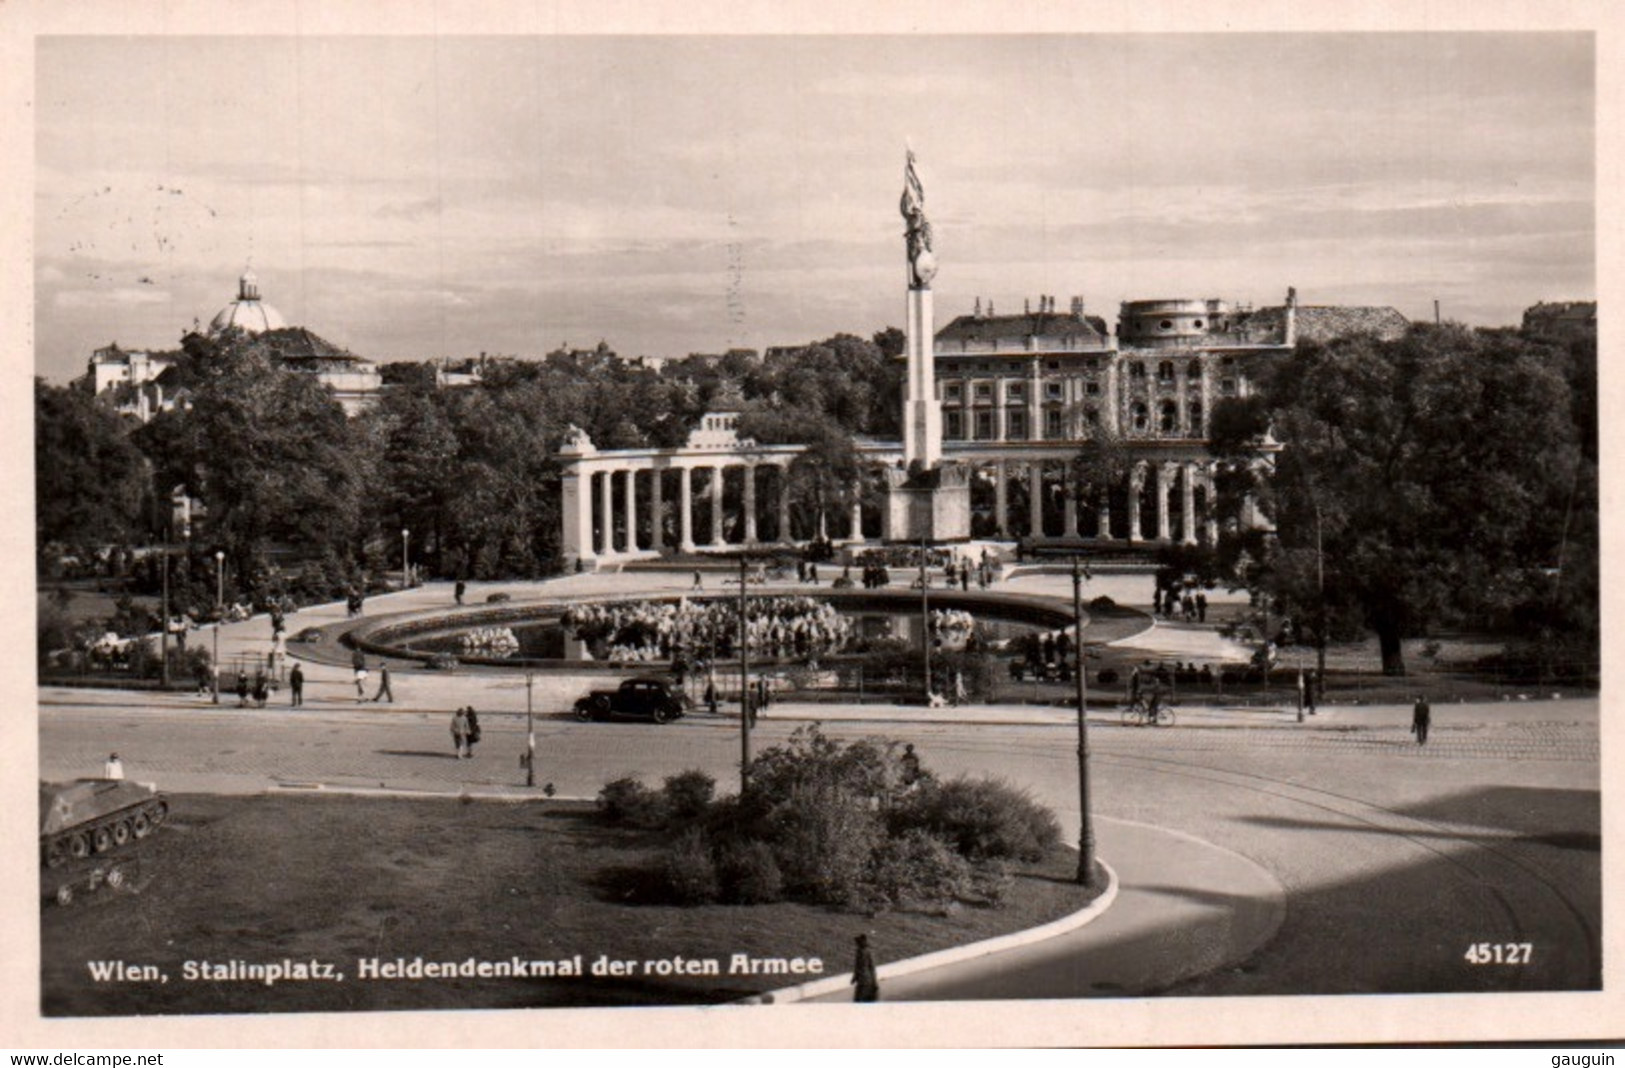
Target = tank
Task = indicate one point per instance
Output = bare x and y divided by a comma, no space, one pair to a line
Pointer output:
89,816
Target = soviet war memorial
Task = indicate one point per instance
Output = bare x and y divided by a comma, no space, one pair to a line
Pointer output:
555,532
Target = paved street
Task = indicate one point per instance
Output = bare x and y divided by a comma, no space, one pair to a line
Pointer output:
1399,856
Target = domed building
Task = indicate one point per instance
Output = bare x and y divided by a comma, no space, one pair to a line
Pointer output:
131,380
248,312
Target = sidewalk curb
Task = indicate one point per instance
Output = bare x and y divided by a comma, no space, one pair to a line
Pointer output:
953,954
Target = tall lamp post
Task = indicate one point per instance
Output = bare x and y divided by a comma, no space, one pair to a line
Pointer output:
530,732
1086,827
744,680
219,613
163,627
925,619
406,558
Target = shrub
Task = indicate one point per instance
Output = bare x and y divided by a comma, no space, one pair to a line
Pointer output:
627,800
1103,604
1108,677
984,819
690,873
499,598
917,869
688,795
748,872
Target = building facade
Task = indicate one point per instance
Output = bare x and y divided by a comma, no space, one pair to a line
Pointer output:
1020,397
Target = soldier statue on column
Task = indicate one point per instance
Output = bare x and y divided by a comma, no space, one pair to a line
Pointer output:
922,265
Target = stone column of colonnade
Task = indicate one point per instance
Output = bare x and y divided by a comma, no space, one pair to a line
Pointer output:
1035,499
1069,503
1136,485
631,509
1001,498
749,471
657,507
784,504
606,500
716,505
685,509
1187,513
1164,479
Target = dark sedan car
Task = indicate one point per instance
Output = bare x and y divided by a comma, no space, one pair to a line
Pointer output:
651,699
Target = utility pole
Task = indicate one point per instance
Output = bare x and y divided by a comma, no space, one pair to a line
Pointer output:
530,731
1086,827
163,627
219,613
1320,628
925,619
744,680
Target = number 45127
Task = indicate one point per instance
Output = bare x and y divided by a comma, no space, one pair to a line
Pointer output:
1499,953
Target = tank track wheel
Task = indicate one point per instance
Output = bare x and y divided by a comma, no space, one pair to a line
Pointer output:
140,825
79,846
101,839
121,832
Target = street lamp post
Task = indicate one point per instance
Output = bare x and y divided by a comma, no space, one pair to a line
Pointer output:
163,626
744,681
219,613
530,732
1086,827
406,558
925,619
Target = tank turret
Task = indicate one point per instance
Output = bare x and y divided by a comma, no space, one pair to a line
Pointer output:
89,816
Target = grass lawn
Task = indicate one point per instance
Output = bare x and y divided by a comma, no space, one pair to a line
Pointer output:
344,879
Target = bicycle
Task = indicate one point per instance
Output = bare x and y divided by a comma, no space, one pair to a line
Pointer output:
1137,713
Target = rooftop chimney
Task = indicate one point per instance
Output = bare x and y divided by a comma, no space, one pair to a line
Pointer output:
1077,308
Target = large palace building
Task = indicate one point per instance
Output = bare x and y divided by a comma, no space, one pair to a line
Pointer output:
1019,397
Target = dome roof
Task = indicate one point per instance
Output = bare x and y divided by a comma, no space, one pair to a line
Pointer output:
248,312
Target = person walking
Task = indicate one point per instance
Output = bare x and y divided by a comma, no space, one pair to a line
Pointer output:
473,729
865,980
384,692
1421,717
699,583
359,663
296,686
242,689
113,768
460,589
459,733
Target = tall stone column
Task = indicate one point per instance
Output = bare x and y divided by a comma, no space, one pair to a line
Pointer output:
631,509
1187,487
750,503
716,506
1136,486
857,510
685,510
1162,503
1001,499
784,504
606,499
657,510
1035,499
1103,520
922,427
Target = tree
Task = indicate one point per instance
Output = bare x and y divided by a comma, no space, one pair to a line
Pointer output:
272,456
90,479
1429,475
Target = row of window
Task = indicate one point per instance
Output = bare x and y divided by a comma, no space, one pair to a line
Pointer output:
982,423
1016,392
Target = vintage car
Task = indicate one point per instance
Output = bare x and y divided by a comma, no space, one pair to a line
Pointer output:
646,698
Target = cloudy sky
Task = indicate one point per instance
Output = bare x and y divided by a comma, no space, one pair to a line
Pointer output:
419,197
